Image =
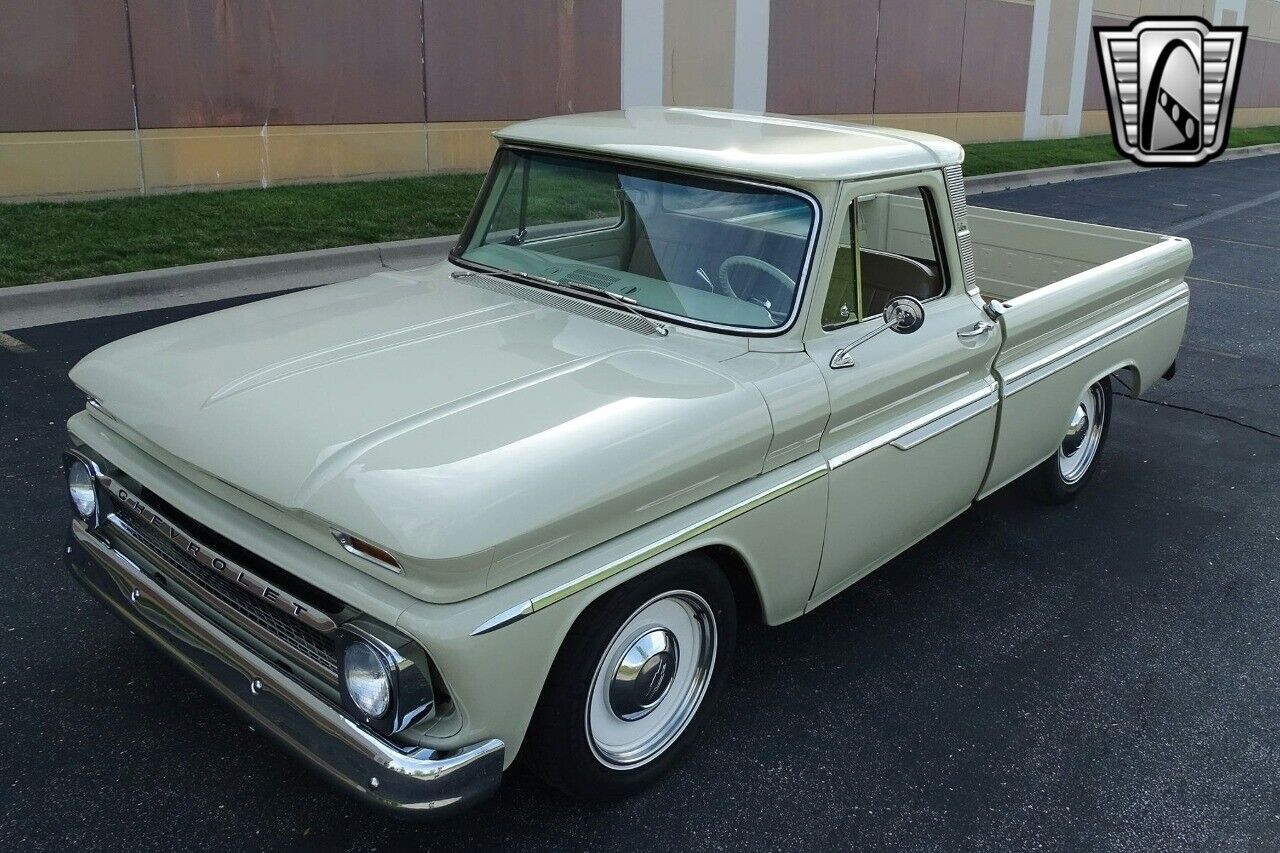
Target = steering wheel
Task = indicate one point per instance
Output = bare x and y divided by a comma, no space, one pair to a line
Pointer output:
784,281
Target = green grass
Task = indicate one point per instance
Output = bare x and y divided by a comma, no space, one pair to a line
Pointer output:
48,241
987,158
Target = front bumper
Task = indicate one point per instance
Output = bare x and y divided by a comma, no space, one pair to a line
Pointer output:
413,783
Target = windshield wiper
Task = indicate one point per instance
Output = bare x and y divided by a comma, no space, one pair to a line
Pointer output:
624,302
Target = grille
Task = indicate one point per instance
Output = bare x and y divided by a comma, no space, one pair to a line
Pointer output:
613,316
305,641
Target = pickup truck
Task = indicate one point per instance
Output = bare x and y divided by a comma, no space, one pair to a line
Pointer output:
683,368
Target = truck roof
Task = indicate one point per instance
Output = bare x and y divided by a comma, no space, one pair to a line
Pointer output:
741,143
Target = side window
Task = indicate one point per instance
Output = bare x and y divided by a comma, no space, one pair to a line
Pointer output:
888,247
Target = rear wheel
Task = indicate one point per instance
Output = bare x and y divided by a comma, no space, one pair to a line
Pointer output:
1060,477
632,684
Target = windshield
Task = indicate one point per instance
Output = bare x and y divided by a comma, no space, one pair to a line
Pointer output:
707,250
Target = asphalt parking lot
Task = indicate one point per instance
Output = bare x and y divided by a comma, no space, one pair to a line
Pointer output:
1104,676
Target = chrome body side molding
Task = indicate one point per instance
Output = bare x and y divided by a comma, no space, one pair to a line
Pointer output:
904,437
950,419
1066,356
640,555
986,393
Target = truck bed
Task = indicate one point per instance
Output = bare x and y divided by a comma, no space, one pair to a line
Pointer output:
1017,253
1078,303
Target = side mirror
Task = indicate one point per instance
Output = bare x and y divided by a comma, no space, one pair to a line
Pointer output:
904,314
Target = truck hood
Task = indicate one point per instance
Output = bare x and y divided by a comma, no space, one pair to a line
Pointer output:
477,435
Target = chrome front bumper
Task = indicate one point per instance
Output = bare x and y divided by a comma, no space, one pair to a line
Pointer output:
412,783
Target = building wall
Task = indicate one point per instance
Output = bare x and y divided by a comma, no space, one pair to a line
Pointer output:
115,97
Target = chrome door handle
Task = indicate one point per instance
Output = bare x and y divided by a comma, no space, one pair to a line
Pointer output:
977,330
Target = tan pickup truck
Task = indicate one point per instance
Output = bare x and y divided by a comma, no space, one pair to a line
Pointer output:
683,368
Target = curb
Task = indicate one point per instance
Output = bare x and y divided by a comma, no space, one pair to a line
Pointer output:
104,296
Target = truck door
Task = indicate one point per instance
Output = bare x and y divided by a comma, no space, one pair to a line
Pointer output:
912,415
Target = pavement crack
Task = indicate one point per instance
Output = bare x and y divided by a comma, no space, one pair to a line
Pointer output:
1195,411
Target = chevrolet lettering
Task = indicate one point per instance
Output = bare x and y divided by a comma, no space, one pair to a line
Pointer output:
683,368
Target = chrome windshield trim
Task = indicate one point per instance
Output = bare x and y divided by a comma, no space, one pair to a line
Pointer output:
802,283
648,552
1050,364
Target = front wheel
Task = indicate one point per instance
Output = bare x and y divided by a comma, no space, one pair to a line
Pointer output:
634,680
1061,477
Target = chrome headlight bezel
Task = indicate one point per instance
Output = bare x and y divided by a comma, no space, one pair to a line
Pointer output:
73,461
412,695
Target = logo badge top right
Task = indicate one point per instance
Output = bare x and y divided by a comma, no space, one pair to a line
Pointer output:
1170,85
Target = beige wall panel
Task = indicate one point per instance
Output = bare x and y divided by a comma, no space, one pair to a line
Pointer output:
997,46
1160,7
202,157
918,61
1094,123
851,118
989,127
1256,117
461,146
1258,15
337,151
822,56
1120,8
68,162
64,65
698,53
942,124
1059,56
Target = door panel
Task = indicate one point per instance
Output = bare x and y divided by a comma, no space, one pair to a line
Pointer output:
911,427
909,438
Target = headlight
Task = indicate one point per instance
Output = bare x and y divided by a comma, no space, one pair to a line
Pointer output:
366,678
385,678
82,486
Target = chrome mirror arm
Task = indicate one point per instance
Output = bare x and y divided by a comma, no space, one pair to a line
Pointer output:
843,357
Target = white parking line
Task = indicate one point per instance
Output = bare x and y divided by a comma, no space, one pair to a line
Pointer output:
12,344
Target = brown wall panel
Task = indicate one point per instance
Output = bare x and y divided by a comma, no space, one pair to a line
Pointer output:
1253,74
1094,97
997,48
1270,89
822,56
501,60
918,62
64,65
235,63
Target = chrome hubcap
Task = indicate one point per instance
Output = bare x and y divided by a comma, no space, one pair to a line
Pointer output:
1084,435
644,674
1076,430
651,679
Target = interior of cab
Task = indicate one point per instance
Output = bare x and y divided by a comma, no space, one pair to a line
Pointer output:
717,251
888,247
